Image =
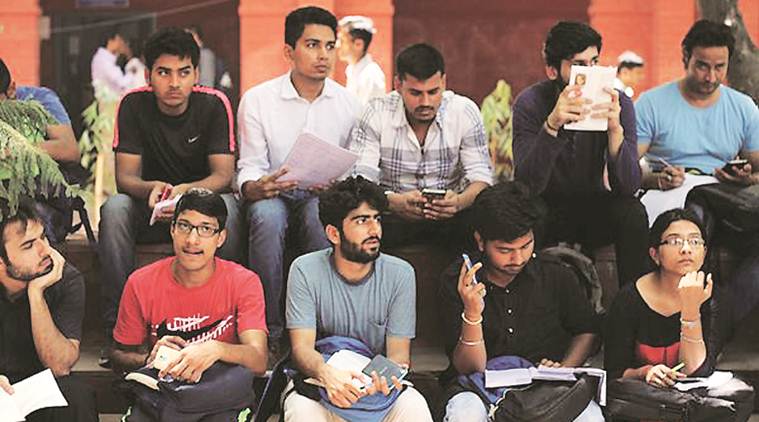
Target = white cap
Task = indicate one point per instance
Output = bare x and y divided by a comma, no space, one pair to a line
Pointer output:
630,57
358,22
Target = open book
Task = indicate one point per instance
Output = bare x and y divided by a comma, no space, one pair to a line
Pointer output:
36,392
523,376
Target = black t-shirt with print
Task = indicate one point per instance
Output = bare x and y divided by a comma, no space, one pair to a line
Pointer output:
175,149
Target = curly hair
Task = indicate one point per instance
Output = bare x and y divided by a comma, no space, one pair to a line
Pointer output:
336,202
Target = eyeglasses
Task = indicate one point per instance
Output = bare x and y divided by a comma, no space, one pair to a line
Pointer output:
693,242
203,231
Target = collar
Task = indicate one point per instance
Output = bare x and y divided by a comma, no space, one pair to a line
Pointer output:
331,259
399,114
362,64
288,92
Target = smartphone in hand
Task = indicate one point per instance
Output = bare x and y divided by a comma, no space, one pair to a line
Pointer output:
732,166
468,263
431,194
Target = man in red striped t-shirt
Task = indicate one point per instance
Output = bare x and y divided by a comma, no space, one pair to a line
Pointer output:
169,137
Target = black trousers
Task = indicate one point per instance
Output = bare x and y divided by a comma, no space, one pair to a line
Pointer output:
454,234
599,221
82,405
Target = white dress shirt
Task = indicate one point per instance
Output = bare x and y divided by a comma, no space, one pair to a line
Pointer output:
106,73
272,115
365,79
454,153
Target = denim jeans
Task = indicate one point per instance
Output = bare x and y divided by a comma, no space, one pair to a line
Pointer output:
124,222
468,407
269,220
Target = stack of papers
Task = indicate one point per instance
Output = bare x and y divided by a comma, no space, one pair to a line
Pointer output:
313,161
161,206
523,376
36,392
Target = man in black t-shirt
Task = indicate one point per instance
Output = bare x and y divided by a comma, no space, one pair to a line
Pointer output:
41,311
169,137
521,305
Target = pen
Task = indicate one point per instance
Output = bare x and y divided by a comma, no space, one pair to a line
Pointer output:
678,367
165,193
661,160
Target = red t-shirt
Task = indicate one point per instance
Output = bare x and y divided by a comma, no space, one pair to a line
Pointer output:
154,304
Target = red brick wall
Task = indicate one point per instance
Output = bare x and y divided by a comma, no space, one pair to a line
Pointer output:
484,40
19,39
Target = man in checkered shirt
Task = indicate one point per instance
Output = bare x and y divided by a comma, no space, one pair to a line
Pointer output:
418,137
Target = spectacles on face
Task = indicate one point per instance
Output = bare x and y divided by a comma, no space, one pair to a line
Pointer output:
693,242
186,228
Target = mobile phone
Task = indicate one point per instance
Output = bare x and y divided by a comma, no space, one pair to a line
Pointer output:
468,263
164,357
384,367
731,166
431,194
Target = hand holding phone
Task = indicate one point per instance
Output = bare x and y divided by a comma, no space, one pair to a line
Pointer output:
732,166
431,194
468,263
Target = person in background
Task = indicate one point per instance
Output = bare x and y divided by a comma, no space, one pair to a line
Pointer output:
106,74
364,77
630,72
213,71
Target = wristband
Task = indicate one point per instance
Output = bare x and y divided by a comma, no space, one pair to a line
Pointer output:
471,343
468,322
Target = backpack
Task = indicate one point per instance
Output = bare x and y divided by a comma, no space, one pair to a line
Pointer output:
635,399
57,211
584,269
733,206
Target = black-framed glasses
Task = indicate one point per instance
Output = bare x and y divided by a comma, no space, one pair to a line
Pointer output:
693,242
186,228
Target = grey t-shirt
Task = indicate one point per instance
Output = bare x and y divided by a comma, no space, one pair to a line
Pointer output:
381,305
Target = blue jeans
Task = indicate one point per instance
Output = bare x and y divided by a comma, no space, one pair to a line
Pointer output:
468,407
269,220
124,222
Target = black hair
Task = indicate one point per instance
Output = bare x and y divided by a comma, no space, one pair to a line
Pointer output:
567,38
109,35
664,220
25,213
343,197
420,61
362,34
5,77
506,211
297,20
628,65
203,201
706,33
172,41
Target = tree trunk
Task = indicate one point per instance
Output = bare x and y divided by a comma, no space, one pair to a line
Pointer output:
743,71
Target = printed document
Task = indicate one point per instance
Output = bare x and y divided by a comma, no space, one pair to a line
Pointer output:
313,161
36,392
593,80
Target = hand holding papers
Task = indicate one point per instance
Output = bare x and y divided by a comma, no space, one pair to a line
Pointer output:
165,204
36,392
595,82
313,162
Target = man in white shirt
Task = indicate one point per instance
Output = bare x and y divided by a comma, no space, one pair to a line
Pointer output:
106,73
418,137
364,77
271,117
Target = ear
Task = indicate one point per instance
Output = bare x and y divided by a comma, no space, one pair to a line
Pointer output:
552,73
480,242
222,238
686,58
333,234
443,82
147,76
197,74
654,254
397,83
289,54
11,92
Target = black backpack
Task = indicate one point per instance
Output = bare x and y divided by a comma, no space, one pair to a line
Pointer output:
57,211
583,268
547,401
633,399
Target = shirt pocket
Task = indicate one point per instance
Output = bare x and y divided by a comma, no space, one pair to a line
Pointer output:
376,333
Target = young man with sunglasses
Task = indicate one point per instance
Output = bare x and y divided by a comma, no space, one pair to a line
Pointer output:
205,307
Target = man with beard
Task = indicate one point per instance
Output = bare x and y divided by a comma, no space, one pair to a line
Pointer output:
588,179
696,123
351,290
522,304
207,308
41,312
419,137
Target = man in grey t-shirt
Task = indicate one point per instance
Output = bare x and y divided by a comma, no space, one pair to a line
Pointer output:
354,291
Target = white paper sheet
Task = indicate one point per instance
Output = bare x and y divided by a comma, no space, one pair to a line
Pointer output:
658,201
596,78
507,377
347,360
716,379
313,161
36,392
162,205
